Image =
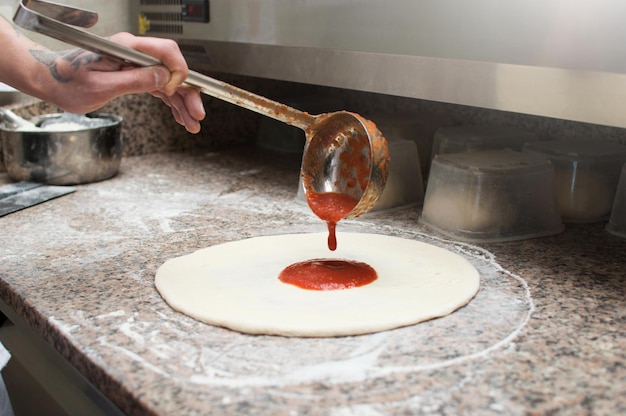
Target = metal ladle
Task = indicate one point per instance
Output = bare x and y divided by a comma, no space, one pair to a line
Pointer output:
344,152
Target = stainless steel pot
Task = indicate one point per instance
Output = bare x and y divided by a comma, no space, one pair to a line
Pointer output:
64,157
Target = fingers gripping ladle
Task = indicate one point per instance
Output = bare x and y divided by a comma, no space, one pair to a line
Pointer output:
344,153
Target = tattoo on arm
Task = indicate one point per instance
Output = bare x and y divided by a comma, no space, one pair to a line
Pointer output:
74,58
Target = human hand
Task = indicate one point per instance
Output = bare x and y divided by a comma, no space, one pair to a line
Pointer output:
185,101
87,81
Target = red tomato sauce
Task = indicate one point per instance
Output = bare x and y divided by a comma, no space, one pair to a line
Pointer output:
328,274
330,207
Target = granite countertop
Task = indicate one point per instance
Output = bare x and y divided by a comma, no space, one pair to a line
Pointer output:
544,335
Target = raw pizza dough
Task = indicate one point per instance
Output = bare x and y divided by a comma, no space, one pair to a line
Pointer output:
235,285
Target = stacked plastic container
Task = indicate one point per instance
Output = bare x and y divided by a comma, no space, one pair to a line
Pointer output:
524,189
587,172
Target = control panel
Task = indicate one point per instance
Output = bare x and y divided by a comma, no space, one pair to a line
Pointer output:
195,11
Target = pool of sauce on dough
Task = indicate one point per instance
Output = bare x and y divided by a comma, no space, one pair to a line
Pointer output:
328,274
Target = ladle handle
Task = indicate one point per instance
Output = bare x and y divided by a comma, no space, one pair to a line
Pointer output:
14,120
37,22
246,99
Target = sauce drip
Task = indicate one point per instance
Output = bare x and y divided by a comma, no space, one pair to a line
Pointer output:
328,274
331,207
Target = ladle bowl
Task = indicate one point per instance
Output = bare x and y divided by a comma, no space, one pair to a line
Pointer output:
346,153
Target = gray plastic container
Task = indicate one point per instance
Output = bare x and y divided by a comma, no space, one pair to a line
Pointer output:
491,196
617,222
477,138
587,172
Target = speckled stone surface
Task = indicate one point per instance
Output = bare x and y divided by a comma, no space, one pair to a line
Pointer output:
545,334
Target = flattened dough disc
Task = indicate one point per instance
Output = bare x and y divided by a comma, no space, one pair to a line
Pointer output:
235,285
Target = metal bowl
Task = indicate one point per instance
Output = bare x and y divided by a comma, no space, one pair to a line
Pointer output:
64,157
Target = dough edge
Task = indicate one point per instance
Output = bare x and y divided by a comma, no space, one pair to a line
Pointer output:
168,276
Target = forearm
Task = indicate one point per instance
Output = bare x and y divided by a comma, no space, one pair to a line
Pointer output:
19,66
